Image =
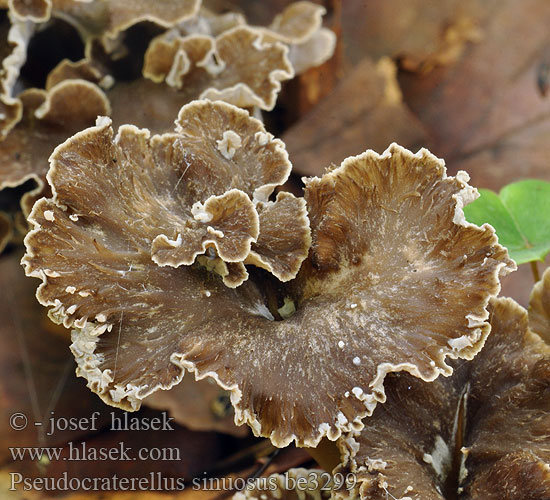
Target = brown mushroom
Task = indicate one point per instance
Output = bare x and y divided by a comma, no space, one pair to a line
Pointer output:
539,307
35,365
481,434
48,118
210,23
102,18
237,67
77,70
299,27
200,186
396,279
280,248
294,25
30,10
318,49
14,38
73,99
166,13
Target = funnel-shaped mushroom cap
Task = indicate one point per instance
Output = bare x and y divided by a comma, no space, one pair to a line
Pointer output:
296,23
300,26
539,307
313,52
208,22
481,434
73,99
167,13
31,10
84,69
396,278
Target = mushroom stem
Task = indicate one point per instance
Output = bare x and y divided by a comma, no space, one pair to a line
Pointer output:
535,271
326,454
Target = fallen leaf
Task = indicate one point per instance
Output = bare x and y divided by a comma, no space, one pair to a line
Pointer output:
365,111
37,367
485,114
420,34
199,405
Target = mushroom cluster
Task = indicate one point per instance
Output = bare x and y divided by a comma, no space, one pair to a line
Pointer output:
169,250
191,52
164,253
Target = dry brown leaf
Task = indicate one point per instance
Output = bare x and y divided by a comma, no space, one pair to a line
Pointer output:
37,365
365,111
420,34
198,405
486,114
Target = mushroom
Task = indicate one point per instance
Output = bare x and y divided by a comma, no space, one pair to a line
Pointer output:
396,279
539,307
14,38
36,364
200,186
236,67
481,434
297,23
31,10
48,117
299,27
207,22
318,49
101,18
84,69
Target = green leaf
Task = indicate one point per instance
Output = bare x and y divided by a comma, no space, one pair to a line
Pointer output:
520,214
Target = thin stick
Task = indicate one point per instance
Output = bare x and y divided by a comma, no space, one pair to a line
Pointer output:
535,271
267,463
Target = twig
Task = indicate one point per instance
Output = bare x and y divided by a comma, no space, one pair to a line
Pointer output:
535,271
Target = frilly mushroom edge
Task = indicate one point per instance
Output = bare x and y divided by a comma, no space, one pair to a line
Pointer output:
481,434
395,280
